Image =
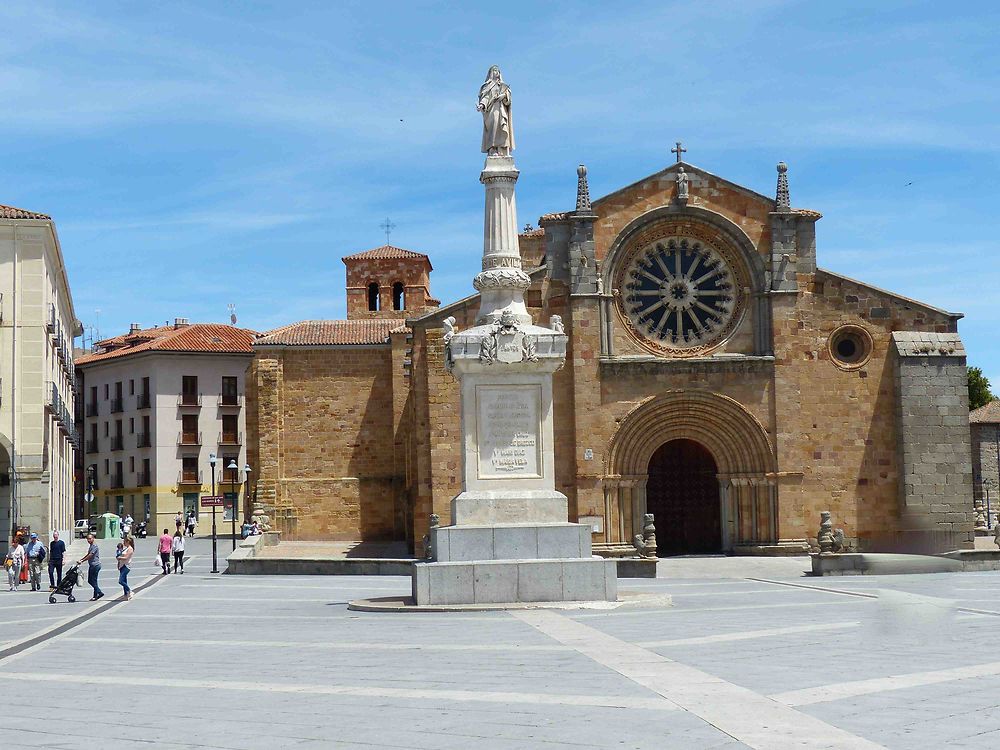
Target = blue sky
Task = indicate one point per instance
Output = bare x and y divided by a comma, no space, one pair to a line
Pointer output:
200,154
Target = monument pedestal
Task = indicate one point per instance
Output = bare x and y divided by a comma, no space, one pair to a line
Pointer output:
510,540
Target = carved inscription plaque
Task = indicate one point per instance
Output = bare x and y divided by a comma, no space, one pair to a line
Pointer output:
508,418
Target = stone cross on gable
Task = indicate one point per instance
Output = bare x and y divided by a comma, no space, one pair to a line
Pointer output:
679,150
387,227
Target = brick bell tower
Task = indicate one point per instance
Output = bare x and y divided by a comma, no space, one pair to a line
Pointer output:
388,282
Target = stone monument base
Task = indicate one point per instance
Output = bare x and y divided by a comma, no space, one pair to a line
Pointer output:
510,542
505,581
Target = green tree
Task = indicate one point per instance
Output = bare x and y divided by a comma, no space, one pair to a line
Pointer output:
979,389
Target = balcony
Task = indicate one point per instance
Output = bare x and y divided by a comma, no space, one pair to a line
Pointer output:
117,481
189,400
142,479
188,477
189,438
230,400
117,442
92,409
92,446
117,405
51,324
143,440
231,438
142,401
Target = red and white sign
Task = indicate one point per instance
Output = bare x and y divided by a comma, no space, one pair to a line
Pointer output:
208,501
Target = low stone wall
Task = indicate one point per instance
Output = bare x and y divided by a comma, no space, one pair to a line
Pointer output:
247,549
862,563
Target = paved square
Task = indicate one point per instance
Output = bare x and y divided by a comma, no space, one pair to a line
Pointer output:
209,661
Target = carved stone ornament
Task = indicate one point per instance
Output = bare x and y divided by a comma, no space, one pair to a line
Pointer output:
507,343
556,324
682,184
981,526
428,547
645,543
501,278
828,539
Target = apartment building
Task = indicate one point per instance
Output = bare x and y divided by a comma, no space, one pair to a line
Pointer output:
37,328
157,402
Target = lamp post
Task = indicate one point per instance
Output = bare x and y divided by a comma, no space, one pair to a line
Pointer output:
246,493
215,554
234,468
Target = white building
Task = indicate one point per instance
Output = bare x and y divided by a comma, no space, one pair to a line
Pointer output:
157,402
37,328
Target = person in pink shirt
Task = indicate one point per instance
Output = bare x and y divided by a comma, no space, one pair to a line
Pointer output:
166,542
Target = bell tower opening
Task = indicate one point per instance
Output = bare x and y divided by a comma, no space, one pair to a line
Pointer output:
373,297
682,493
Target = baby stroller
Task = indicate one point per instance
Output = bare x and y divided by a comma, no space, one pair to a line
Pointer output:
70,579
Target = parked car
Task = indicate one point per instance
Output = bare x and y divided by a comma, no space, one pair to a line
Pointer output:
81,528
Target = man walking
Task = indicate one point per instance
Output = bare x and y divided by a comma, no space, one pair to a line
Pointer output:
93,556
166,546
36,555
56,551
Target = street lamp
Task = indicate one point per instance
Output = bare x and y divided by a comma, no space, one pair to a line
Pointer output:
234,468
246,508
89,496
215,554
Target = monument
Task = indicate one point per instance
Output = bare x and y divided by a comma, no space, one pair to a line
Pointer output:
510,539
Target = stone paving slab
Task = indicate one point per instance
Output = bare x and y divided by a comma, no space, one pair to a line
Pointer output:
203,661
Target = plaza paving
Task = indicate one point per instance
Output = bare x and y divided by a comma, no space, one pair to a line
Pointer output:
210,661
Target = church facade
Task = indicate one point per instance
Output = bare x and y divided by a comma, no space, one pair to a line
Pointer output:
715,377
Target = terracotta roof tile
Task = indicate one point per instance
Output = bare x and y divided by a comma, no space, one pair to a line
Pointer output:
9,212
196,337
989,414
330,333
386,252
559,216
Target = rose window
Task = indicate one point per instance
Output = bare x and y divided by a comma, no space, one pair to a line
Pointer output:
680,295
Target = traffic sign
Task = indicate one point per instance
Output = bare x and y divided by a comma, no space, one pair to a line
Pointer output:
207,501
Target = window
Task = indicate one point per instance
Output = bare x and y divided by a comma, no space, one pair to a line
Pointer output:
189,468
118,390
373,296
189,389
131,425
131,464
93,437
146,480
131,387
106,433
107,464
850,347
189,429
230,428
398,299
146,504
120,504
118,428
190,503
230,396
106,392
145,385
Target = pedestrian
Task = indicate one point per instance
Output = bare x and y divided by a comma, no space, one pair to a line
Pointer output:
93,557
191,523
178,520
13,563
125,565
56,551
36,556
166,546
177,547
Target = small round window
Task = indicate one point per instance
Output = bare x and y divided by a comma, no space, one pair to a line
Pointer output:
850,347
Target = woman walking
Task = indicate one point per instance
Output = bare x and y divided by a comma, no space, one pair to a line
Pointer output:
177,547
125,565
14,562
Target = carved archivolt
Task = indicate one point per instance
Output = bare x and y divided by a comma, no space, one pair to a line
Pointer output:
736,439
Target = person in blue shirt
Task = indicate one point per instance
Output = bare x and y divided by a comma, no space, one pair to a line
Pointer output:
56,551
36,554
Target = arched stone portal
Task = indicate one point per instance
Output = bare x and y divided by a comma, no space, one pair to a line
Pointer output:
6,495
736,442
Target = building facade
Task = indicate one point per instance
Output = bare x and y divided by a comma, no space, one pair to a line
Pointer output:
37,328
715,377
984,427
157,402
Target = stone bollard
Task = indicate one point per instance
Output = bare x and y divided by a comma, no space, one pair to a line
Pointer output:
981,525
828,539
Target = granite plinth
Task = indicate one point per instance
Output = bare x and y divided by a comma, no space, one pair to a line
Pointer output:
504,581
481,507
510,542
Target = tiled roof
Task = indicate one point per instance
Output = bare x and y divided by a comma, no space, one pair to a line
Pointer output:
331,333
553,217
989,414
386,252
9,212
196,337
536,232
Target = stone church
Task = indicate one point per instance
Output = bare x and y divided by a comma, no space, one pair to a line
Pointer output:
715,377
